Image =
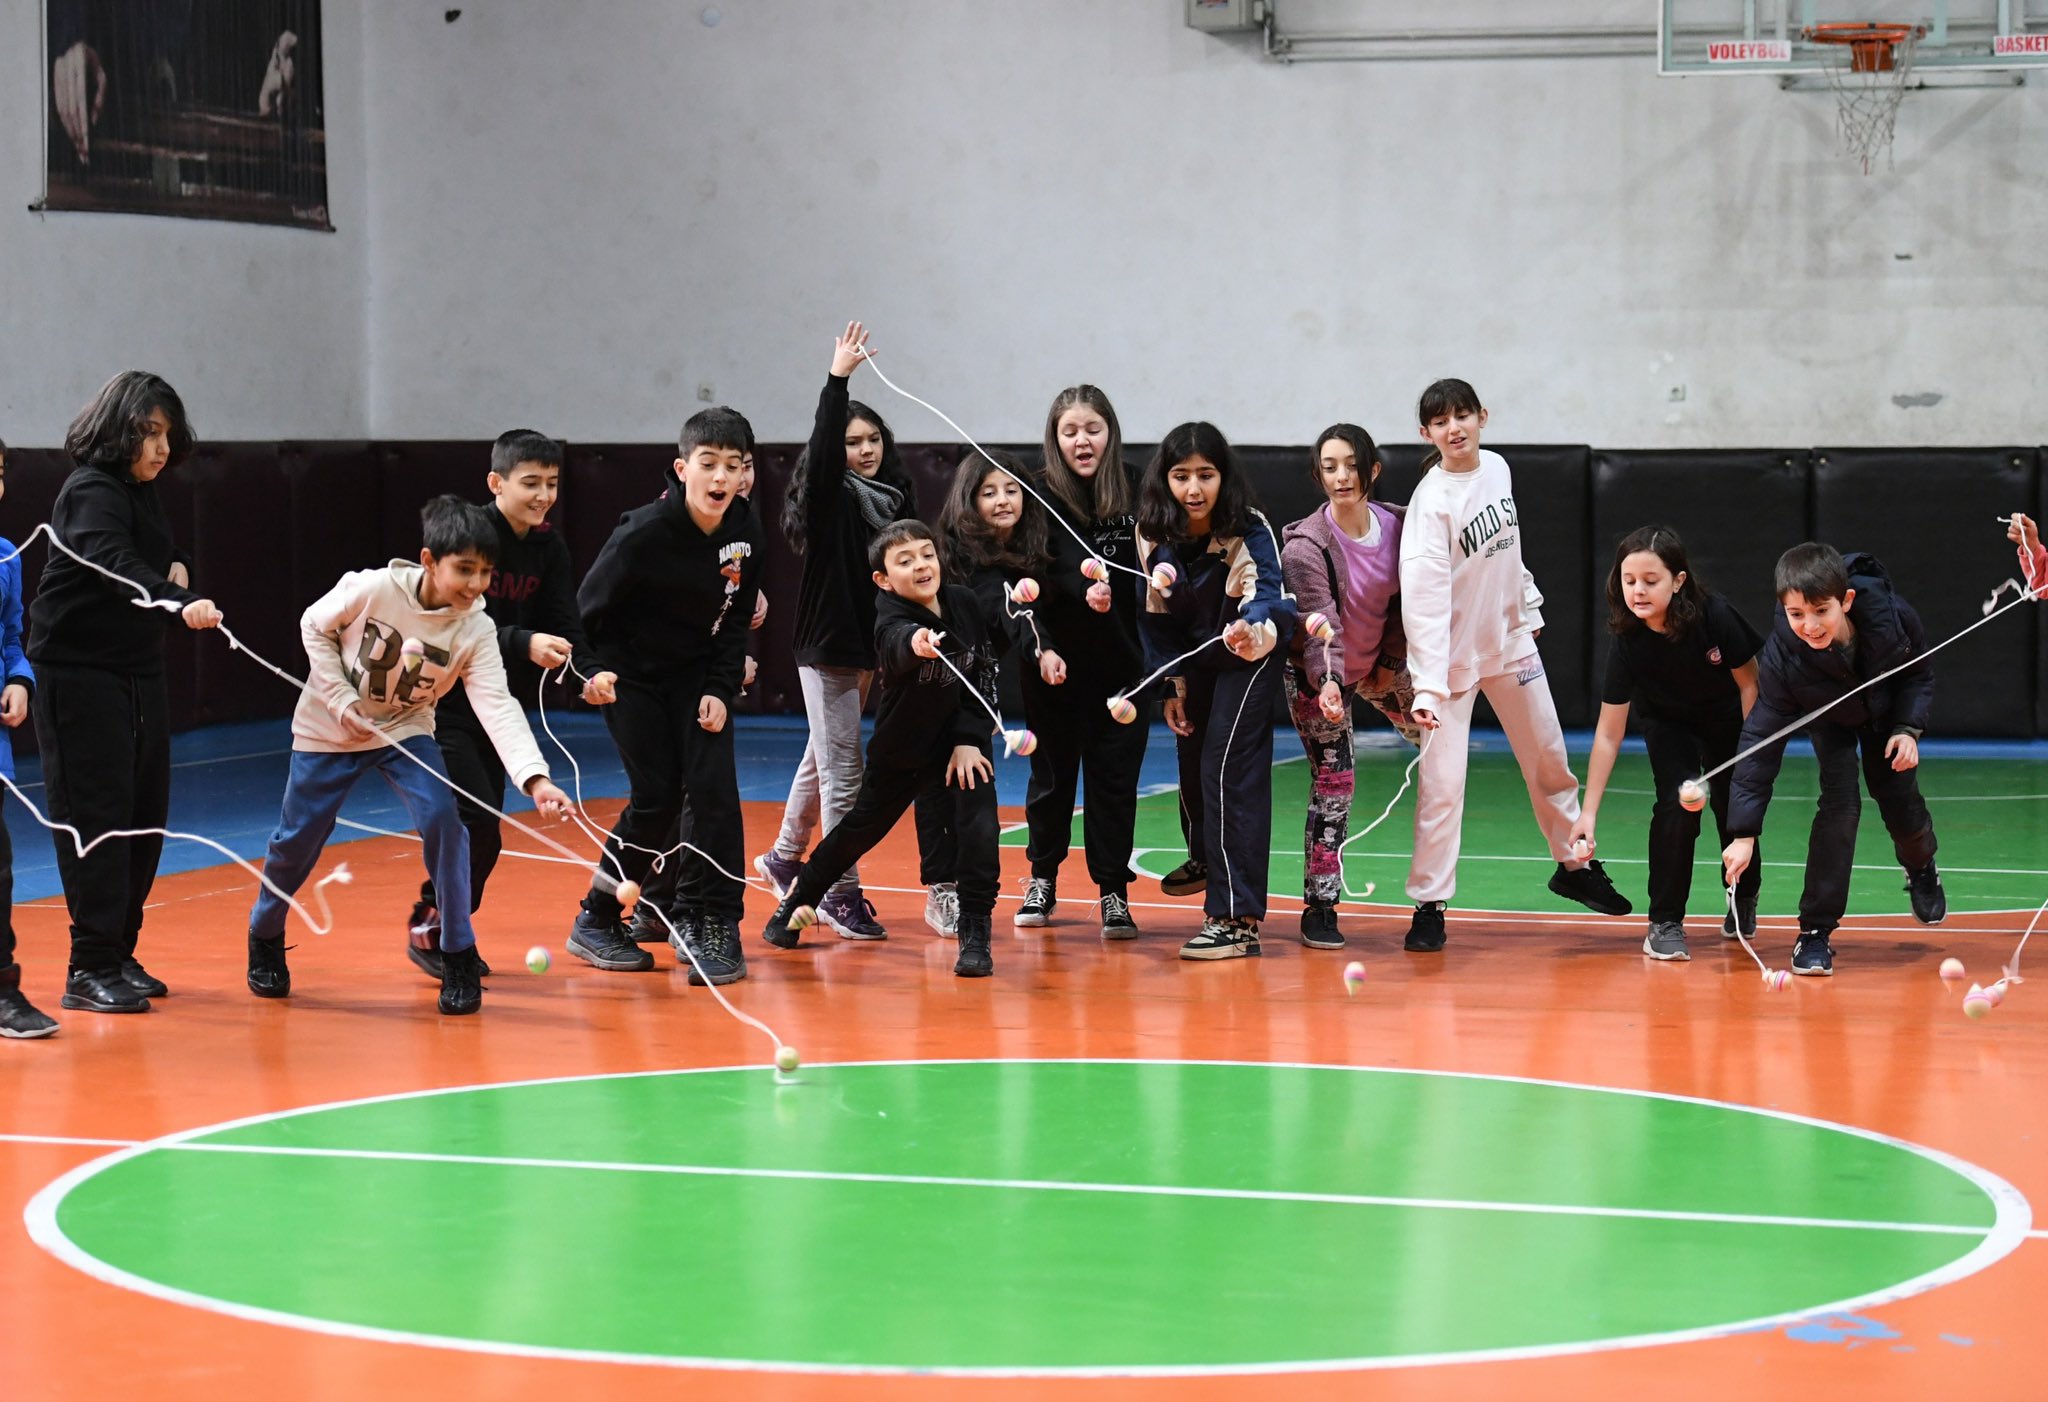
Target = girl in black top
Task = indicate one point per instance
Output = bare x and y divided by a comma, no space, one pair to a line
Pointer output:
101,709
848,484
992,533
1097,626
1686,660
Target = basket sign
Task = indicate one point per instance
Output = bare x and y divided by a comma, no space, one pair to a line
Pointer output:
2005,45
1750,51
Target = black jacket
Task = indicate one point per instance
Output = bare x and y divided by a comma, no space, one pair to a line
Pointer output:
925,711
79,617
835,598
665,602
1101,648
533,590
1794,680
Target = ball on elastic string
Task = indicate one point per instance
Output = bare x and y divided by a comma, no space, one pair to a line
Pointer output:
786,1060
1951,970
1019,742
1095,568
1354,977
537,961
1977,1004
629,895
1165,576
1777,980
1996,993
1692,795
802,918
412,653
1024,590
1319,627
1122,710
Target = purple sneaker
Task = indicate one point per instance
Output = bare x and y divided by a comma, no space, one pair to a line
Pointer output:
852,915
778,871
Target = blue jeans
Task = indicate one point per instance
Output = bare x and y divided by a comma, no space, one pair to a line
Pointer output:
313,795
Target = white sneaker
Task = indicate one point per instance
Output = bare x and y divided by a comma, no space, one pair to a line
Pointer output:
942,909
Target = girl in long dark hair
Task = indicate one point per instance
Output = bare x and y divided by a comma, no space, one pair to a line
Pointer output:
848,484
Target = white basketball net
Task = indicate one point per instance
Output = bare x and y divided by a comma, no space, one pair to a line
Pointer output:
1867,103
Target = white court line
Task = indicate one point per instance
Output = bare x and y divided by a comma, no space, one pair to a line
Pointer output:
65,1139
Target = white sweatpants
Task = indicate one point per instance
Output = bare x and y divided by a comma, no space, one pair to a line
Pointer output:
828,779
1521,698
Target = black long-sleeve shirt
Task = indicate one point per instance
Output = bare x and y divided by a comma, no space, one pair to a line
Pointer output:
925,711
533,590
79,617
1101,647
665,601
835,598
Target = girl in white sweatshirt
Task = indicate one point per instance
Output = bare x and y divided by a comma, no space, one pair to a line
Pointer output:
1472,613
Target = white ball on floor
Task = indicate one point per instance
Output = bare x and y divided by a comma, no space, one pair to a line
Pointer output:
537,961
786,1059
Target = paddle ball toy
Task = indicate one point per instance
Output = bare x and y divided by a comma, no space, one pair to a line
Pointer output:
1018,742
412,653
802,918
629,895
1777,980
1692,795
1165,576
1095,568
1354,977
1977,1004
786,1060
1122,710
1319,627
537,961
1996,993
1024,591
1951,970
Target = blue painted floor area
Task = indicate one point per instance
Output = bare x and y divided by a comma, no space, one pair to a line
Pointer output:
226,782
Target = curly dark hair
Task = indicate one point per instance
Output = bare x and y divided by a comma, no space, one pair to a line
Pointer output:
969,543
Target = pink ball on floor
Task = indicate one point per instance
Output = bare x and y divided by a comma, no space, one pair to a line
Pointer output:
1996,993
1951,970
1354,976
1777,980
1977,1004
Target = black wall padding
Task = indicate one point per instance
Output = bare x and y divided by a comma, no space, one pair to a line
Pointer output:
2041,652
1736,511
1929,514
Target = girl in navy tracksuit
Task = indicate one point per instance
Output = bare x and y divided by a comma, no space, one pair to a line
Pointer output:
1197,512
1097,625
847,486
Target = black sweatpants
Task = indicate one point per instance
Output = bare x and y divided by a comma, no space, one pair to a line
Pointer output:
1831,850
105,738
474,765
1076,733
1226,782
673,764
884,794
1681,751
6,883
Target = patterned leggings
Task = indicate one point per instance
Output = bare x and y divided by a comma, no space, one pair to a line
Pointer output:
1388,689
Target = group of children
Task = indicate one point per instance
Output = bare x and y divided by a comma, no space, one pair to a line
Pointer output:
1106,594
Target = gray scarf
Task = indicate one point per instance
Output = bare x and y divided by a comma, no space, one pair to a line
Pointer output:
879,502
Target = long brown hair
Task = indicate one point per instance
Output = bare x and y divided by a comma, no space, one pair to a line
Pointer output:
1108,494
1688,600
968,543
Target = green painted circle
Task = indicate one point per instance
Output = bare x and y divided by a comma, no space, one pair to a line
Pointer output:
1029,1217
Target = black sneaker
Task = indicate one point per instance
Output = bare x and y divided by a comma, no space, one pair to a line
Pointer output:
142,980
684,923
426,960
1223,939
1319,928
1811,955
1426,930
1930,902
1039,899
777,931
269,975
975,960
647,927
462,989
1116,917
1744,915
20,1018
604,944
714,941
1590,887
1190,878
101,991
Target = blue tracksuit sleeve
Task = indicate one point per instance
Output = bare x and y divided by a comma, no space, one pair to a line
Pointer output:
1270,602
13,660
1913,704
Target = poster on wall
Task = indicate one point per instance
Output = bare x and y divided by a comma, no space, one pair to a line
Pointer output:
205,109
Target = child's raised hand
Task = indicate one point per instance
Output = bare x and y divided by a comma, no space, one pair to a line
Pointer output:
967,764
1735,858
200,613
548,797
2021,531
1331,699
1052,668
711,713
602,689
850,349
925,642
1098,596
1903,751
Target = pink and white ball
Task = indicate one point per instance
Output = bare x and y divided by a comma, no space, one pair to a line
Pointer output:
1977,1004
1319,627
1095,568
1692,795
1165,576
1777,980
1019,742
1024,591
1122,710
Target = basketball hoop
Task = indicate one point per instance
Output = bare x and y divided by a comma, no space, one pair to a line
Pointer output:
1868,71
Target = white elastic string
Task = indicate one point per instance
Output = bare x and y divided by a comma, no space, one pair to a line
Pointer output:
1406,777
1735,923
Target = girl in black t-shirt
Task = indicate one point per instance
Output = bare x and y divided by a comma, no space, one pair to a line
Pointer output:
1686,660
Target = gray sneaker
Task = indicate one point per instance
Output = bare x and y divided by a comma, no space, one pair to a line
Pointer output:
942,908
1666,940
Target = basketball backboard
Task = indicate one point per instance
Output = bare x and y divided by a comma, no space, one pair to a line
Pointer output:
1768,36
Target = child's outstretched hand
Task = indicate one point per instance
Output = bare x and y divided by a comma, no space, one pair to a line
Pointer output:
602,689
850,349
548,797
711,713
1735,858
1903,751
200,613
1098,596
548,651
925,642
1052,668
967,764
13,705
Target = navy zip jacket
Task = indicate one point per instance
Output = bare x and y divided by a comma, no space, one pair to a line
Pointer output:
925,711
1793,680
664,601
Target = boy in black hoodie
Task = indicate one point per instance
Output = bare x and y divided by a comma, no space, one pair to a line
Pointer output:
666,606
929,728
1841,626
532,601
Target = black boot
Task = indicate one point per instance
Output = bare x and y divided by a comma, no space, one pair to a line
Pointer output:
974,960
19,1017
462,989
269,977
